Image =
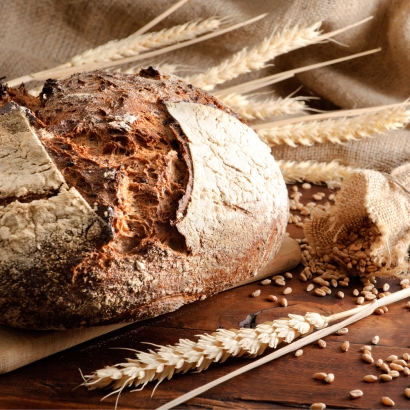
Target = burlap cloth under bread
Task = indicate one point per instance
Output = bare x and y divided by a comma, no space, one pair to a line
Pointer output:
36,35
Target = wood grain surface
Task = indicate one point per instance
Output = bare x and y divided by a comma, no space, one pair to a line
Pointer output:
284,383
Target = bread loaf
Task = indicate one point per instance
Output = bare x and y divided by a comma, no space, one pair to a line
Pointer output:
123,197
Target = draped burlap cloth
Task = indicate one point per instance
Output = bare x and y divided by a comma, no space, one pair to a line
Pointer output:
36,35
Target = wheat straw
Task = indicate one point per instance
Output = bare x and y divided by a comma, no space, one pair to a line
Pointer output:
161,17
136,44
255,59
336,131
330,173
251,109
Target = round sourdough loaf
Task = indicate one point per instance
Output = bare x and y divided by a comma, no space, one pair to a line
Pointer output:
123,197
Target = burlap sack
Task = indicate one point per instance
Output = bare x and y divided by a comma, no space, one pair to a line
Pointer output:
382,199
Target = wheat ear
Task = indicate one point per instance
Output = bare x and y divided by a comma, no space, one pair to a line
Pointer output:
255,59
136,44
251,109
215,347
330,173
336,131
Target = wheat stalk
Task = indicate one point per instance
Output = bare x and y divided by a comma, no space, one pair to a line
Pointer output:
251,109
330,173
215,347
255,59
336,131
136,44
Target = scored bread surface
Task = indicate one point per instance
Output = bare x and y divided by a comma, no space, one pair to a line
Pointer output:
136,195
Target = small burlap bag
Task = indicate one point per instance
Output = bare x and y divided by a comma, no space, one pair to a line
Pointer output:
377,203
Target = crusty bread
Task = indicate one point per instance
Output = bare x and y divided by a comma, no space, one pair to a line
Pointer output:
127,197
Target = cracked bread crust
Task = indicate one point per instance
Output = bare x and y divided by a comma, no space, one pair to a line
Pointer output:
184,198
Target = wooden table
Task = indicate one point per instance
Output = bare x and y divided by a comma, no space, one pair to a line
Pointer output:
284,383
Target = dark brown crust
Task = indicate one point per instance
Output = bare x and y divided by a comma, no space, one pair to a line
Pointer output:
137,175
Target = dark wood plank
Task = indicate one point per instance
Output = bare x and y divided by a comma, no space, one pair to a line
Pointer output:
284,383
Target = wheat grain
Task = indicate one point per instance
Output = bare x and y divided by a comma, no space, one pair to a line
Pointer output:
336,131
401,362
320,376
387,401
331,173
136,44
355,394
345,346
318,406
255,59
385,377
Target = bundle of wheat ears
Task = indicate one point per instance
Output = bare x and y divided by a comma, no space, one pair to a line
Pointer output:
263,114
